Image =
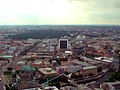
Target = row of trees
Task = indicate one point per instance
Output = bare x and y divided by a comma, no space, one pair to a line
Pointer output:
40,34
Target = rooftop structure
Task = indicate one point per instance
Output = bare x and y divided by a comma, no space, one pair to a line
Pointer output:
89,70
47,71
89,67
32,89
7,56
81,63
21,63
39,63
83,87
51,88
27,68
63,44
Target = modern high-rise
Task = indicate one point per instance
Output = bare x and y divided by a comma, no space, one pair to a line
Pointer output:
63,44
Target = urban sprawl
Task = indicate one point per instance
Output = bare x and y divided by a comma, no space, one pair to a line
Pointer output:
81,60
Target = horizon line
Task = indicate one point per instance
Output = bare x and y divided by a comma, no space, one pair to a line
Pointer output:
61,25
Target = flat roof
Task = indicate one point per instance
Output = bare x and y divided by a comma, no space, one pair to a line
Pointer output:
107,61
51,88
47,71
37,62
32,89
21,62
7,56
89,67
82,63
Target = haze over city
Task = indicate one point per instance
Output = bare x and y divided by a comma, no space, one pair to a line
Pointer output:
59,44
50,12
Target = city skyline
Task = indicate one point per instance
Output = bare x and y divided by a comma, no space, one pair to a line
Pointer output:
59,12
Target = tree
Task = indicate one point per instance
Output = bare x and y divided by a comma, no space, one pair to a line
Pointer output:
80,75
9,68
13,88
50,60
31,59
90,74
99,69
57,84
74,76
7,88
58,61
41,80
66,73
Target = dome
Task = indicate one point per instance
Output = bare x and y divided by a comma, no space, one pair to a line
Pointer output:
33,69
26,68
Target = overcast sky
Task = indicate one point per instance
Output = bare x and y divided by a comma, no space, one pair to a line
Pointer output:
22,12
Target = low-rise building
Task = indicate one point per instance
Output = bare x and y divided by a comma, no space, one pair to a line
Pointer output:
51,88
39,64
83,87
89,70
47,72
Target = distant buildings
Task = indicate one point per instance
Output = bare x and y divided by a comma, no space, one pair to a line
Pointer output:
86,55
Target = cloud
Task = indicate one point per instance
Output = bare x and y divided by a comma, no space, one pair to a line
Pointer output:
60,11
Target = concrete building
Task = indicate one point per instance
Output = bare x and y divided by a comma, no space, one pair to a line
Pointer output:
83,87
39,64
47,72
63,44
89,70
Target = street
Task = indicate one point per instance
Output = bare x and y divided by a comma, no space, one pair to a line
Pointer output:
113,67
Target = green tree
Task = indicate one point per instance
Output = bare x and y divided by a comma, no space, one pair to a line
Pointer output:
90,74
66,73
9,68
99,69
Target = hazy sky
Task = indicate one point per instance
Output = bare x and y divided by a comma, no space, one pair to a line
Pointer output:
18,12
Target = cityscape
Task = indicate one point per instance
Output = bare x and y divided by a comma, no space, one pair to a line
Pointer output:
60,57
59,44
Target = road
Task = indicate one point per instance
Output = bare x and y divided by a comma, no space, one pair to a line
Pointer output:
114,66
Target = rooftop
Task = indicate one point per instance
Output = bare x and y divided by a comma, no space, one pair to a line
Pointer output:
81,63
7,56
89,67
27,68
47,71
32,89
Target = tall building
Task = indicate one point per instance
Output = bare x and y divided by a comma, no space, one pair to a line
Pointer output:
63,44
